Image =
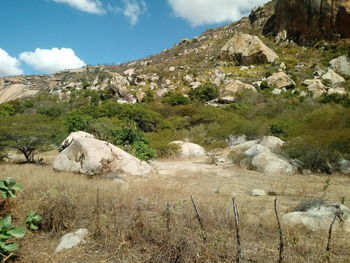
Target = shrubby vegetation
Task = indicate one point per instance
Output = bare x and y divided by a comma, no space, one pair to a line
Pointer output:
317,133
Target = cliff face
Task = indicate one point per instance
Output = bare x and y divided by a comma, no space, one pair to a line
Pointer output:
308,20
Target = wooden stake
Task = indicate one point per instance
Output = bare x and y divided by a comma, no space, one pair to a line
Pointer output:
281,247
238,238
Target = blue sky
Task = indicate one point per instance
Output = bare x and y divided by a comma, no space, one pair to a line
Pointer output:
101,31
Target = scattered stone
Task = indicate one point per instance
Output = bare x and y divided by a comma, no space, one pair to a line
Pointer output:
247,50
234,140
320,218
257,192
280,80
315,86
236,86
333,77
306,172
256,150
172,69
72,240
341,65
340,91
344,166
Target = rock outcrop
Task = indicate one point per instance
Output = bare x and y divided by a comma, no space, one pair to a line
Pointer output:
320,217
311,20
187,149
246,50
236,86
90,156
280,80
341,65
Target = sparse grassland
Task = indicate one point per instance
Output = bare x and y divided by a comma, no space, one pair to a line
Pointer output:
130,222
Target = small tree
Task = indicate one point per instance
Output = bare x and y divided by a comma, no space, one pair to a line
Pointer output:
28,133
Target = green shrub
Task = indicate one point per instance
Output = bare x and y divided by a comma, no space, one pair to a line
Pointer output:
6,110
76,121
135,142
175,98
280,129
8,232
9,187
205,92
53,111
33,221
337,99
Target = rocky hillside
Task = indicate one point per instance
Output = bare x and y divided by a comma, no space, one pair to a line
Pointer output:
211,57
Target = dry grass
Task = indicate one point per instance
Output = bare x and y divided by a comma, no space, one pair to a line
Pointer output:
130,222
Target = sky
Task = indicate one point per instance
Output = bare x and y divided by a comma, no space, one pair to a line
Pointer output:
47,36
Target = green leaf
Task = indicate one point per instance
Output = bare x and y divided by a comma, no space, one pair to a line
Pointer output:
33,227
17,187
6,221
10,247
10,182
17,232
2,184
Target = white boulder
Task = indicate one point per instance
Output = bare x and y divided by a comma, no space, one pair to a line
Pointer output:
188,149
341,65
257,192
272,143
280,80
72,137
271,164
256,150
319,218
333,77
91,156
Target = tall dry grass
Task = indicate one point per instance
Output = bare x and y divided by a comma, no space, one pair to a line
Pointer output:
152,220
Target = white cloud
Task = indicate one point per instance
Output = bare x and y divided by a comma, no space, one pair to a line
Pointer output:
9,65
89,6
200,12
52,60
133,9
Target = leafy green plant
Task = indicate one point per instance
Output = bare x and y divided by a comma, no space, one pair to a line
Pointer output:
205,92
7,233
33,220
8,187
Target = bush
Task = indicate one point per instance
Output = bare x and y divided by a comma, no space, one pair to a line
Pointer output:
175,98
76,121
135,142
6,110
337,99
205,92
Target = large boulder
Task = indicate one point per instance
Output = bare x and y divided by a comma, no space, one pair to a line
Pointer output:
271,164
272,143
332,77
187,149
319,217
341,65
256,150
90,156
280,80
315,86
306,20
245,49
236,86
72,137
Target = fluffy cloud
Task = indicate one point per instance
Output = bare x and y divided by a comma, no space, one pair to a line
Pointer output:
133,9
200,12
9,65
52,60
89,6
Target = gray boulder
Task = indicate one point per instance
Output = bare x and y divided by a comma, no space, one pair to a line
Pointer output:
320,218
271,164
341,65
280,80
247,50
333,77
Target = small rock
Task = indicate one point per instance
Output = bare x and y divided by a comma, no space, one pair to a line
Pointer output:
306,172
258,192
72,239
